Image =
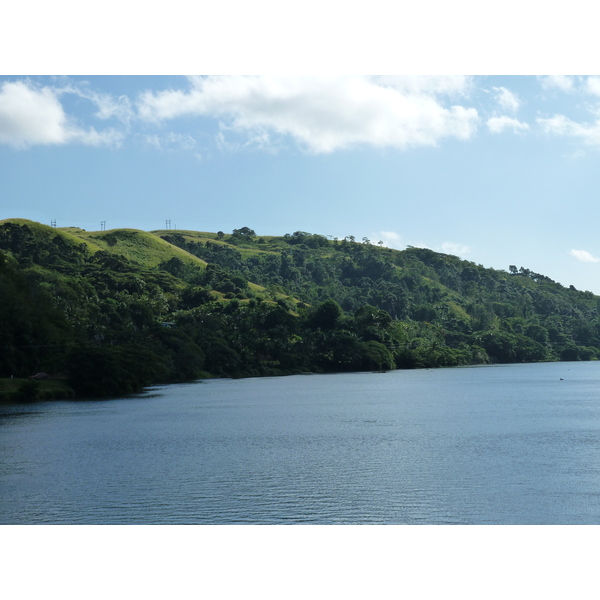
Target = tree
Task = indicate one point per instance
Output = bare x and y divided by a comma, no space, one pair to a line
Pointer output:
115,370
326,315
371,323
174,265
376,357
244,232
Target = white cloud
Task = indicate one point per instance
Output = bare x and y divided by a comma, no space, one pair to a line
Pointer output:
589,85
456,249
390,239
584,256
257,139
31,116
592,85
561,125
450,85
322,113
564,83
508,101
107,105
499,124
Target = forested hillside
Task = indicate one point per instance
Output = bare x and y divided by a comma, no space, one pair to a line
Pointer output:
113,311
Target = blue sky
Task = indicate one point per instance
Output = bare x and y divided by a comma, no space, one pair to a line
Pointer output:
499,170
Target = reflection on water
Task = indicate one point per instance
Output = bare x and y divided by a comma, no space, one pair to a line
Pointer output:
508,445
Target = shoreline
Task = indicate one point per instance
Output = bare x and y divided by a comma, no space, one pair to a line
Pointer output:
20,391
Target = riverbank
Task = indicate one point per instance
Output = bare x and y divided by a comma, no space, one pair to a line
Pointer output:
23,391
18,390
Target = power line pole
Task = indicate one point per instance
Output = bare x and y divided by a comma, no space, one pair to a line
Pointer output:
168,223
53,223
102,225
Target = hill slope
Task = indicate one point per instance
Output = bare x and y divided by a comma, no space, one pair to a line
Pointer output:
119,309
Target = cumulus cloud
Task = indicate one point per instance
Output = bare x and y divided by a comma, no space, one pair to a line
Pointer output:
584,256
507,100
456,249
561,125
449,85
564,83
587,85
31,116
499,124
592,85
323,114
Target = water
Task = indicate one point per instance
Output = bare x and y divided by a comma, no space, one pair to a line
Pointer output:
509,444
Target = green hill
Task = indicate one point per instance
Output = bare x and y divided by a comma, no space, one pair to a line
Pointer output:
115,310
144,249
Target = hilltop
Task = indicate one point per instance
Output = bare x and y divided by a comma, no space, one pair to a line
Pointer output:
115,310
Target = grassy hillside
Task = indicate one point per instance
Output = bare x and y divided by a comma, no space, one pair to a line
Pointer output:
115,310
44,233
144,249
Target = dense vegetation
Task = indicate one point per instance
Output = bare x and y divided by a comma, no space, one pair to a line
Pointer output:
111,312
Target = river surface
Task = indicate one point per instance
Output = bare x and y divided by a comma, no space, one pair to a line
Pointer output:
510,444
